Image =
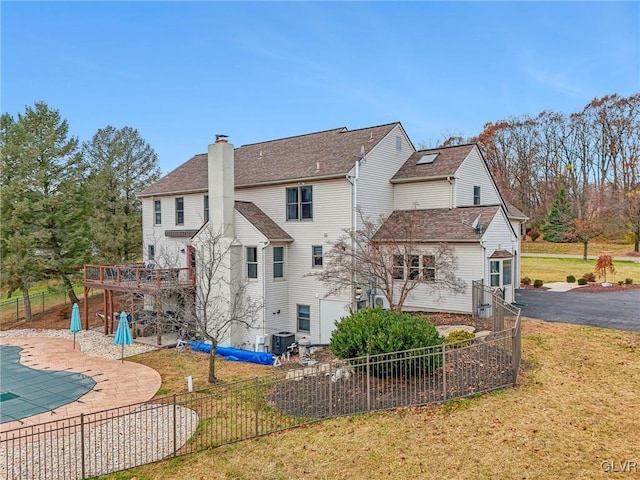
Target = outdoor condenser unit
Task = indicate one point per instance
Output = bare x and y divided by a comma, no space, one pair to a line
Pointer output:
280,341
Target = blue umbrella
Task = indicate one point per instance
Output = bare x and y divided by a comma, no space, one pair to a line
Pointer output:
75,322
123,334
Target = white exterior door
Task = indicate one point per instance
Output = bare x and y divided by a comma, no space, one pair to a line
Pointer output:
330,312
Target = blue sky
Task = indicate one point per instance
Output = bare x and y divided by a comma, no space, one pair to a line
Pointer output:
181,72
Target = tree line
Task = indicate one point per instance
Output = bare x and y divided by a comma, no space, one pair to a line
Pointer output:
582,168
65,203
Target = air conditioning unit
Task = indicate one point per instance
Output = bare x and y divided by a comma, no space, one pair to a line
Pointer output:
380,301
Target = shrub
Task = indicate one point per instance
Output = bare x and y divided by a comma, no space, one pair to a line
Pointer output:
534,235
589,277
525,281
571,279
620,282
374,331
458,337
537,283
628,281
582,281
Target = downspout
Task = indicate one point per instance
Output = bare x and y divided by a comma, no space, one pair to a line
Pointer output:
264,288
450,192
354,219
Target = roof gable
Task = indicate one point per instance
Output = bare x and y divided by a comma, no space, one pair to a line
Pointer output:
447,161
436,225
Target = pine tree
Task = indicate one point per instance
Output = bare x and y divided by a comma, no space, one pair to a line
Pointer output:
44,206
559,219
122,164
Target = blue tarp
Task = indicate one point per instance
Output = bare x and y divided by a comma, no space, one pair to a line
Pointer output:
230,353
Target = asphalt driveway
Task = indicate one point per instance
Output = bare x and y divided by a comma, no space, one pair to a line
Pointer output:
617,310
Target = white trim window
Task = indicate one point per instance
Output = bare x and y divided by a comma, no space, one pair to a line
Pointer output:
179,210
414,267
300,203
278,262
304,318
157,212
206,208
476,195
494,273
252,262
316,256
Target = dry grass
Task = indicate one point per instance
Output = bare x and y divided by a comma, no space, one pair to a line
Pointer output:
594,248
575,407
557,269
174,365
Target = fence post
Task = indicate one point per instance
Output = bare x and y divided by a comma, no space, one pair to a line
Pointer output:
82,465
257,407
17,310
42,303
444,372
368,384
175,439
330,390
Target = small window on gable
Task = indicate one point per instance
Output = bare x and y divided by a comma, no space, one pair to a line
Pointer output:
157,212
252,262
317,256
179,211
476,195
398,143
278,262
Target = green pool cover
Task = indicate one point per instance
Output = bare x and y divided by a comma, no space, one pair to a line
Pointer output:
25,391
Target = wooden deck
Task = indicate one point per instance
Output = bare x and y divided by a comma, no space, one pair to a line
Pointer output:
128,278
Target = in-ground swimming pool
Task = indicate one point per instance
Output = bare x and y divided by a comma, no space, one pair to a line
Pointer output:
25,391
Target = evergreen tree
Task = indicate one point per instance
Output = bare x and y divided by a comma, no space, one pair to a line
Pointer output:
20,264
122,164
559,220
45,234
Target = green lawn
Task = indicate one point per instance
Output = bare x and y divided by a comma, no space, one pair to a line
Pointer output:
574,409
557,269
594,248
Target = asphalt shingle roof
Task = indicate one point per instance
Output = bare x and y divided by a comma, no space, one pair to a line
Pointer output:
270,229
436,225
316,155
446,163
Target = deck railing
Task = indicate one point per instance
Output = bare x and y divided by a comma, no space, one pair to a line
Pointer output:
137,275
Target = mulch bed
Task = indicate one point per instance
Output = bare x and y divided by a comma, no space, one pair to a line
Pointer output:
468,370
598,288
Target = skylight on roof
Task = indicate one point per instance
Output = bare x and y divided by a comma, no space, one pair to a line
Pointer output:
428,158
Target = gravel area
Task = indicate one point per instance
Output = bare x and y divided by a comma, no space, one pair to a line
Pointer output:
53,451
140,437
92,343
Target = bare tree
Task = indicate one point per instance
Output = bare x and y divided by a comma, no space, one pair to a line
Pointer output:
395,259
219,304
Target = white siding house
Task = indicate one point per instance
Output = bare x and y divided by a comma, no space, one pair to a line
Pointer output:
283,203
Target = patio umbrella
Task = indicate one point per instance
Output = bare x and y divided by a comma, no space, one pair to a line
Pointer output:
123,334
75,322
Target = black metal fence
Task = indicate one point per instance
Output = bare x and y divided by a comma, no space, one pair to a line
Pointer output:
13,309
118,439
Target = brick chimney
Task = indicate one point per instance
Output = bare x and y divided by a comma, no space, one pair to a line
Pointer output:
221,186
